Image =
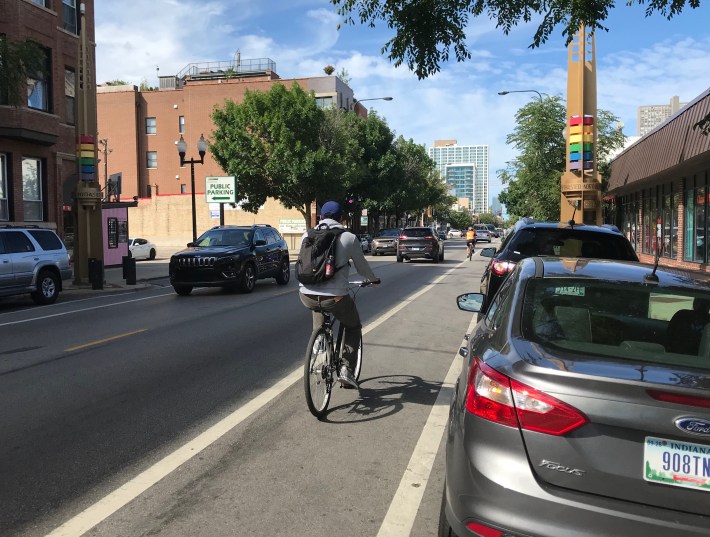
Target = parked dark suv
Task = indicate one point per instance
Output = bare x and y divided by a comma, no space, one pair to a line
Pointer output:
33,260
530,238
231,257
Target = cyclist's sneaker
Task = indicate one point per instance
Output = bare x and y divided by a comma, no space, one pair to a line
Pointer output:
346,378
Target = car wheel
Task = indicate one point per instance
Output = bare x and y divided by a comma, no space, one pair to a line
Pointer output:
183,290
445,529
130,254
436,258
248,281
152,253
441,255
47,288
284,274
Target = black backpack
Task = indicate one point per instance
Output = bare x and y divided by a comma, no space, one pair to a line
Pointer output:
317,247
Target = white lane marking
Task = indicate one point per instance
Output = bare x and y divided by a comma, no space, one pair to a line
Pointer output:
111,503
403,510
81,310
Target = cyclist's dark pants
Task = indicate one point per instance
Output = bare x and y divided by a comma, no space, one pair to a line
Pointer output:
344,309
471,243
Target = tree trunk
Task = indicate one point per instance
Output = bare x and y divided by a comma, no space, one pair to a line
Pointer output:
306,213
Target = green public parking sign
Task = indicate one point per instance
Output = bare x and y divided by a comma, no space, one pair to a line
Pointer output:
220,189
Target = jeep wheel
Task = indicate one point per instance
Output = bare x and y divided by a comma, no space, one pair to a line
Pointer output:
248,281
284,274
183,290
47,288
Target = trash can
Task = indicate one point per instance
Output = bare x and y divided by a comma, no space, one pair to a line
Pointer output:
129,269
96,273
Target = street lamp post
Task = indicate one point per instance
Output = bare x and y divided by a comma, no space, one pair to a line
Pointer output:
202,149
522,91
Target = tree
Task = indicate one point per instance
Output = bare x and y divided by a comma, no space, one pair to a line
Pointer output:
344,76
533,178
426,30
273,143
116,82
19,60
488,218
460,219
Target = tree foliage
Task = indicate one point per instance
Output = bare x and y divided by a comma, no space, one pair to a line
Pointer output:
279,144
426,30
533,178
19,60
488,218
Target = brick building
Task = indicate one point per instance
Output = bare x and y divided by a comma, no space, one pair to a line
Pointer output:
38,138
141,130
661,190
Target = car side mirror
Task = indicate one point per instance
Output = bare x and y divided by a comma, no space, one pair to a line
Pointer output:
260,242
470,302
191,244
488,252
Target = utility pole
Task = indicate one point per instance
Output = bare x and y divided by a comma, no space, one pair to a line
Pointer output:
106,151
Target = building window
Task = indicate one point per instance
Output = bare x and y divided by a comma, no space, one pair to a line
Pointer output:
4,210
32,189
69,9
181,124
70,94
43,3
150,127
151,159
324,102
38,86
699,230
183,189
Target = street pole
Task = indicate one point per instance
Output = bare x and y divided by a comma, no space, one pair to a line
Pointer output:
202,149
522,91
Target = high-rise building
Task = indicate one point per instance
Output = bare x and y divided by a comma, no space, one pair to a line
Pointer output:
651,116
465,169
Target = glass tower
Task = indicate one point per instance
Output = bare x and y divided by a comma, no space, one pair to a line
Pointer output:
465,168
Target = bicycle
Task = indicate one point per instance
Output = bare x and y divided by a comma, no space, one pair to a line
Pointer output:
324,358
469,246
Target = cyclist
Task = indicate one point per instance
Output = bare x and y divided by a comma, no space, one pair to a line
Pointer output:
470,241
332,295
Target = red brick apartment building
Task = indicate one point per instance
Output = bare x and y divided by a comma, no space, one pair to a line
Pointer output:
38,138
661,190
143,127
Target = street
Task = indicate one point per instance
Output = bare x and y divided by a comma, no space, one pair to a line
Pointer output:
147,413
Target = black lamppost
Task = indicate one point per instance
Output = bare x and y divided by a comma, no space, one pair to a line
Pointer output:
202,149
522,91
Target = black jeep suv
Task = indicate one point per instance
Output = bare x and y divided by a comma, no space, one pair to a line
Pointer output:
231,257
529,238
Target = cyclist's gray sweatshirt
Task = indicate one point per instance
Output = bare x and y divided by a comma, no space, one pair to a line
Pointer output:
347,248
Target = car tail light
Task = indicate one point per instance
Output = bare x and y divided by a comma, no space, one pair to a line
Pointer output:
402,237
484,531
501,267
495,397
689,400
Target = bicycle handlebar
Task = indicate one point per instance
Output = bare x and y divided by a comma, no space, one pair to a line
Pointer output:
365,283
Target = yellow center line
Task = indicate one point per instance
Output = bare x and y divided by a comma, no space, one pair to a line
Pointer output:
100,341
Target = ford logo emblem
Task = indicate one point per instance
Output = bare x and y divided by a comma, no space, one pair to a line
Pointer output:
697,426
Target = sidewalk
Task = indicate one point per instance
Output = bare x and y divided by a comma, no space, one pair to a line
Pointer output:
146,271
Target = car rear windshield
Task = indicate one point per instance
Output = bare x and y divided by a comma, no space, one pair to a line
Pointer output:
225,237
627,321
389,233
570,243
418,232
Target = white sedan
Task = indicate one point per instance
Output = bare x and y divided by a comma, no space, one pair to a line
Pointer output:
141,249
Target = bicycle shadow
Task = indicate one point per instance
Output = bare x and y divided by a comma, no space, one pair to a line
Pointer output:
381,397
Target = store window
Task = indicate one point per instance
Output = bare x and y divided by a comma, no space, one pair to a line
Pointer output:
4,209
70,94
689,250
150,125
32,189
112,230
699,225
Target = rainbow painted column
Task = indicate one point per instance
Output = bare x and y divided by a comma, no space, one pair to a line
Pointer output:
87,158
580,198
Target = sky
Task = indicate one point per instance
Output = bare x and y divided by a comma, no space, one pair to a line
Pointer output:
640,61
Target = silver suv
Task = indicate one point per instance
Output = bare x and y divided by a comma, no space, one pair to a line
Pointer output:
32,260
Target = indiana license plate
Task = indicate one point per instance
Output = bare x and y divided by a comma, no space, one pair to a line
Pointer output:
677,463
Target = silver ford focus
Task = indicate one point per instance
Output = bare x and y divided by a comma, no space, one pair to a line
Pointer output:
583,407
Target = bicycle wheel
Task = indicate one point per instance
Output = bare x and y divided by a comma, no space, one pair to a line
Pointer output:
339,352
317,373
